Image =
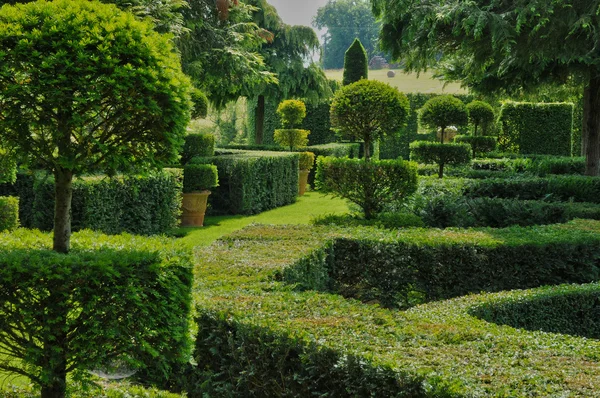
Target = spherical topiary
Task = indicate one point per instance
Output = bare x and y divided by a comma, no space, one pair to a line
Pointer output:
443,111
480,114
200,102
356,65
292,113
199,177
368,110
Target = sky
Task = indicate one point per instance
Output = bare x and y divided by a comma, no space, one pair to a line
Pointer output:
297,12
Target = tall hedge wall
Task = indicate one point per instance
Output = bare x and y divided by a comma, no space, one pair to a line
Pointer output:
542,128
252,181
141,205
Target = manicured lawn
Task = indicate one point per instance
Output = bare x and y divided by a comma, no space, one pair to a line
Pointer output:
407,83
310,205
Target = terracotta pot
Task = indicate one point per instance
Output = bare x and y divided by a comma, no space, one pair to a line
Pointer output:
302,181
193,208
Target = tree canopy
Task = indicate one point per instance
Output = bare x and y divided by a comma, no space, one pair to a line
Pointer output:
346,20
86,88
503,46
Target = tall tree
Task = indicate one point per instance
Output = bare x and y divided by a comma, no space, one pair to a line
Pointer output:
288,55
500,45
86,88
344,21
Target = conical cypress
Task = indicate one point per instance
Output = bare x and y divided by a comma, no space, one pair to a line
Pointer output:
356,65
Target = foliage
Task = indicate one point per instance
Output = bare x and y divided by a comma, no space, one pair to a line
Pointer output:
251,182
553,188
318,123
291,138
368,184
344,21
200,104
383,220
480,144
96,101
9,213
536,128
118,389
368,110
356,64
440,154
443,111
197,145
144,205
306,161
480,114
8,167
273,339
119,300
540,165
199,177
291,113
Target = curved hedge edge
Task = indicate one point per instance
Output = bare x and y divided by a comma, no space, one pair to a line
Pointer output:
256,332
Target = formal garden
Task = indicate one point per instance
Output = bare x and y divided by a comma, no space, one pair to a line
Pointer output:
189,207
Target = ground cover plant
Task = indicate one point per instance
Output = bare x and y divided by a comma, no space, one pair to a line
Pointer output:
258,335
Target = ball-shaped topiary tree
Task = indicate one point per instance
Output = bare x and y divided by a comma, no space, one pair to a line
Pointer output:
291,113
368,110
480,114
356,65
85,88
443,111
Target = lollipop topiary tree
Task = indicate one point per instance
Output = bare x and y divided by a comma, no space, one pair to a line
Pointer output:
291,113
443,111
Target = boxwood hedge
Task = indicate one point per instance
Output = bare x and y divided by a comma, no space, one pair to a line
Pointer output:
259,336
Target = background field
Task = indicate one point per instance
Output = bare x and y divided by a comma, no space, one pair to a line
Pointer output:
407,82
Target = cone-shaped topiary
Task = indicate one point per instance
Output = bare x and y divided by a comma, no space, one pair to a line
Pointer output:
356,65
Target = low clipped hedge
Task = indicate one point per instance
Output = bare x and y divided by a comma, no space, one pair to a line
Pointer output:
259,336
537,165
556,188
565,309
253,181
9,213
143,205
112,297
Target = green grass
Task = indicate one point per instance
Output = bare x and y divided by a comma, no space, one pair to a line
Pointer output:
407,82
308,206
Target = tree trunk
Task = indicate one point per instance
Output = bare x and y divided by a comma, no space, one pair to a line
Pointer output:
591,108
63,191
259,120
367,150
475,132
442,135
441,171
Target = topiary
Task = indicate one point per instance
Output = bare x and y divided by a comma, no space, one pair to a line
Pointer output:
479,144
291,113
443,111
200,104
291,138
356,65
199,177
306,161
368,110
441,154
480,114
202,145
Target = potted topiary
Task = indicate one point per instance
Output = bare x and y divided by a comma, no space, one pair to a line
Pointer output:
197,179
305,163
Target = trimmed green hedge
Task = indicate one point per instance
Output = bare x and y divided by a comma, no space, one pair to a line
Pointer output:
556,188
197,145
440,154
252,181
199,177
318,123
112,297
257,336
542,128
480,144
141,205
540,165
566,309
9,213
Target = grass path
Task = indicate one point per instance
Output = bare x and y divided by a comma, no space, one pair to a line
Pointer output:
306,207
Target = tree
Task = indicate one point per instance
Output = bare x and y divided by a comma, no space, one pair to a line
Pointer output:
441,154
287,55
291,113
86,88
368,110
356,64
344,21
509,46
480,114
443,111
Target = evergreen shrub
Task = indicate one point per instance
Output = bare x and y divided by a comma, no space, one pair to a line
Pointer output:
531,128
442,112
356,64
479,144
9,213
371,185
306,160
481,114
441,154
251,181
200,104
199,177
197,145
119,298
